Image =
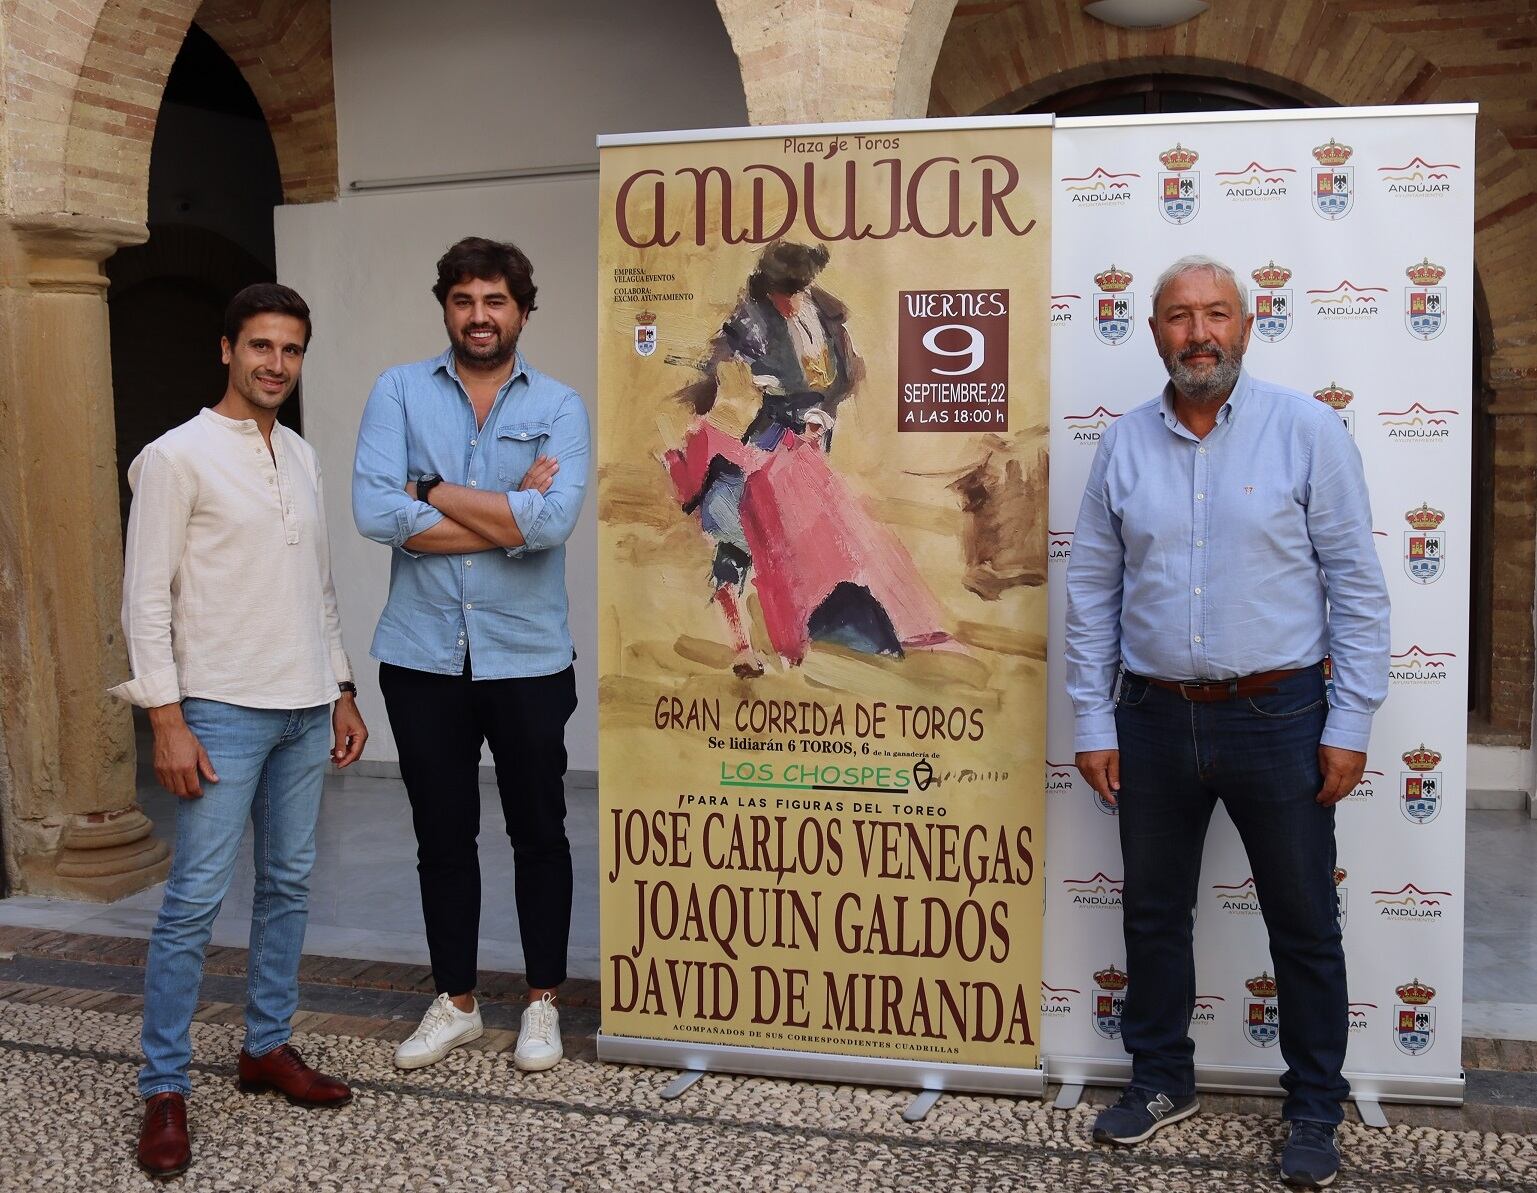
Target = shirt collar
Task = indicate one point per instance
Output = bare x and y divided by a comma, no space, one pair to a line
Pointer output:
245,425
445,363
1234,404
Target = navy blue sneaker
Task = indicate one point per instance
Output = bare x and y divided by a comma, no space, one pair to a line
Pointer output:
1139,1113
1310,1158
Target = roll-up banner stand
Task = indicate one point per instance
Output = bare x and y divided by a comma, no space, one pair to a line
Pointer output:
823,424
1353,230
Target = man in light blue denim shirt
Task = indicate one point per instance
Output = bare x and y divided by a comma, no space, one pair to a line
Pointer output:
471,467
1223,549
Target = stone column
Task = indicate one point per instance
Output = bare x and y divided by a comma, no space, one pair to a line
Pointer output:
804,61
68,816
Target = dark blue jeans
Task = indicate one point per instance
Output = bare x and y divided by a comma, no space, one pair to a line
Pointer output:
1259,756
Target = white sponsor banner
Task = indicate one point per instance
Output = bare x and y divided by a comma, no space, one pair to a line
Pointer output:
1354,232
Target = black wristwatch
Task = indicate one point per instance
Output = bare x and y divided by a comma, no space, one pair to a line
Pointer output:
425,484
347,686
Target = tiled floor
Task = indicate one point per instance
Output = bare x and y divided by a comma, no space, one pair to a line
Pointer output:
363,895
364,900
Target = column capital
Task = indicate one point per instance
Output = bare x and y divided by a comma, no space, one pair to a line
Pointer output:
63,253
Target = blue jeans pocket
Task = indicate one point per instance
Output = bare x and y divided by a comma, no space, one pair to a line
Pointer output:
1291,700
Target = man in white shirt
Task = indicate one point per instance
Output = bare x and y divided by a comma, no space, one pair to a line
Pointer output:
235,645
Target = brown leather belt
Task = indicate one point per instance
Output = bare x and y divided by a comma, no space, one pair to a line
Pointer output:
1210,691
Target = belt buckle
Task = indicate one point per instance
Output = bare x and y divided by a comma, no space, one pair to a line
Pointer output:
1186,688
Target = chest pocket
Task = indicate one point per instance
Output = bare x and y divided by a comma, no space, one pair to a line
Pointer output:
517,446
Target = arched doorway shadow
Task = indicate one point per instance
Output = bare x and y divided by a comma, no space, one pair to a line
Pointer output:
213,183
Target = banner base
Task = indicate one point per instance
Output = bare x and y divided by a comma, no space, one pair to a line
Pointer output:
820,1066
1230,1079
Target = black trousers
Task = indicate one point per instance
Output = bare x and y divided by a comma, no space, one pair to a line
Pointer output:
439,723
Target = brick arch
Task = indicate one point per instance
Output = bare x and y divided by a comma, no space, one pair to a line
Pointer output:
282,48
998,60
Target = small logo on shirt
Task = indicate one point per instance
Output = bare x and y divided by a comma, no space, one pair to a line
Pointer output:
1248,489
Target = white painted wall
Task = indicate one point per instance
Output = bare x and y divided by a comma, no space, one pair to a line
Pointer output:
473,86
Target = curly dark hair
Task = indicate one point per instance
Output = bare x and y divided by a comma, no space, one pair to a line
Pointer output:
490,261
265,298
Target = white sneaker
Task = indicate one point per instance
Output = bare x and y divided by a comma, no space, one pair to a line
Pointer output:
539,1037
442,1028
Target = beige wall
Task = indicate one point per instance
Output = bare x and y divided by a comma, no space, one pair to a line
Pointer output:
418,95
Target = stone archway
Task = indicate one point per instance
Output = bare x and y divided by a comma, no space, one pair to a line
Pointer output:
83,83
1005,58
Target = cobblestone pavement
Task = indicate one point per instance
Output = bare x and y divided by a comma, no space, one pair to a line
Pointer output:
69,1050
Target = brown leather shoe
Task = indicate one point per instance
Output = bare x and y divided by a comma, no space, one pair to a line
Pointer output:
284,1070
163,1147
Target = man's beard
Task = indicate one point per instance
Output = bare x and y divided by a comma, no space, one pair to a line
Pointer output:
490,356
1213,385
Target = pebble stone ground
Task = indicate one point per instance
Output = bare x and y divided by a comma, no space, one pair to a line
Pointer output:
69,1049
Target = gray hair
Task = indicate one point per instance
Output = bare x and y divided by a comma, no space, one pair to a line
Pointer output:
1190,264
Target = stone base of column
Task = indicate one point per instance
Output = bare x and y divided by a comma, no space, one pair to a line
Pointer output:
103,856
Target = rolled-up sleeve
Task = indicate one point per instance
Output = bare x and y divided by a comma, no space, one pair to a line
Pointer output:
152,551
380,506
1339,521
1095,579
547,519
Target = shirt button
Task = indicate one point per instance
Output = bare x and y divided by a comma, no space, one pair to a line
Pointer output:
1201,450
1198,637
472,484
1200,542
469,563
1200,496
472,443
467,605
1197,592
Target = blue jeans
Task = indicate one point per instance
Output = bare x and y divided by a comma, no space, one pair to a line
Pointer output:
271,764
1259,756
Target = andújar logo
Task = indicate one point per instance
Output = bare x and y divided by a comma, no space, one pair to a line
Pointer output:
1411,904
1418,423
1087,428
1099,891
1206,1009
1334,188
1255,183
1347,301
1100,188
1419,668
1338,398
1272,302
1418,178
1237,898
1060,776
1366,789
1059,546
1358,1017
1057,1001
1063,308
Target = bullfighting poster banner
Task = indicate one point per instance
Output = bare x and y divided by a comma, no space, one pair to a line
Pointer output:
1352,232
823,422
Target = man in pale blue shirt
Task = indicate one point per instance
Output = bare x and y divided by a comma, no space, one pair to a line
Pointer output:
1223,549
471,467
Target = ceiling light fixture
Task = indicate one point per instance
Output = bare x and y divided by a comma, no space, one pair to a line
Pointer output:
1145,14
